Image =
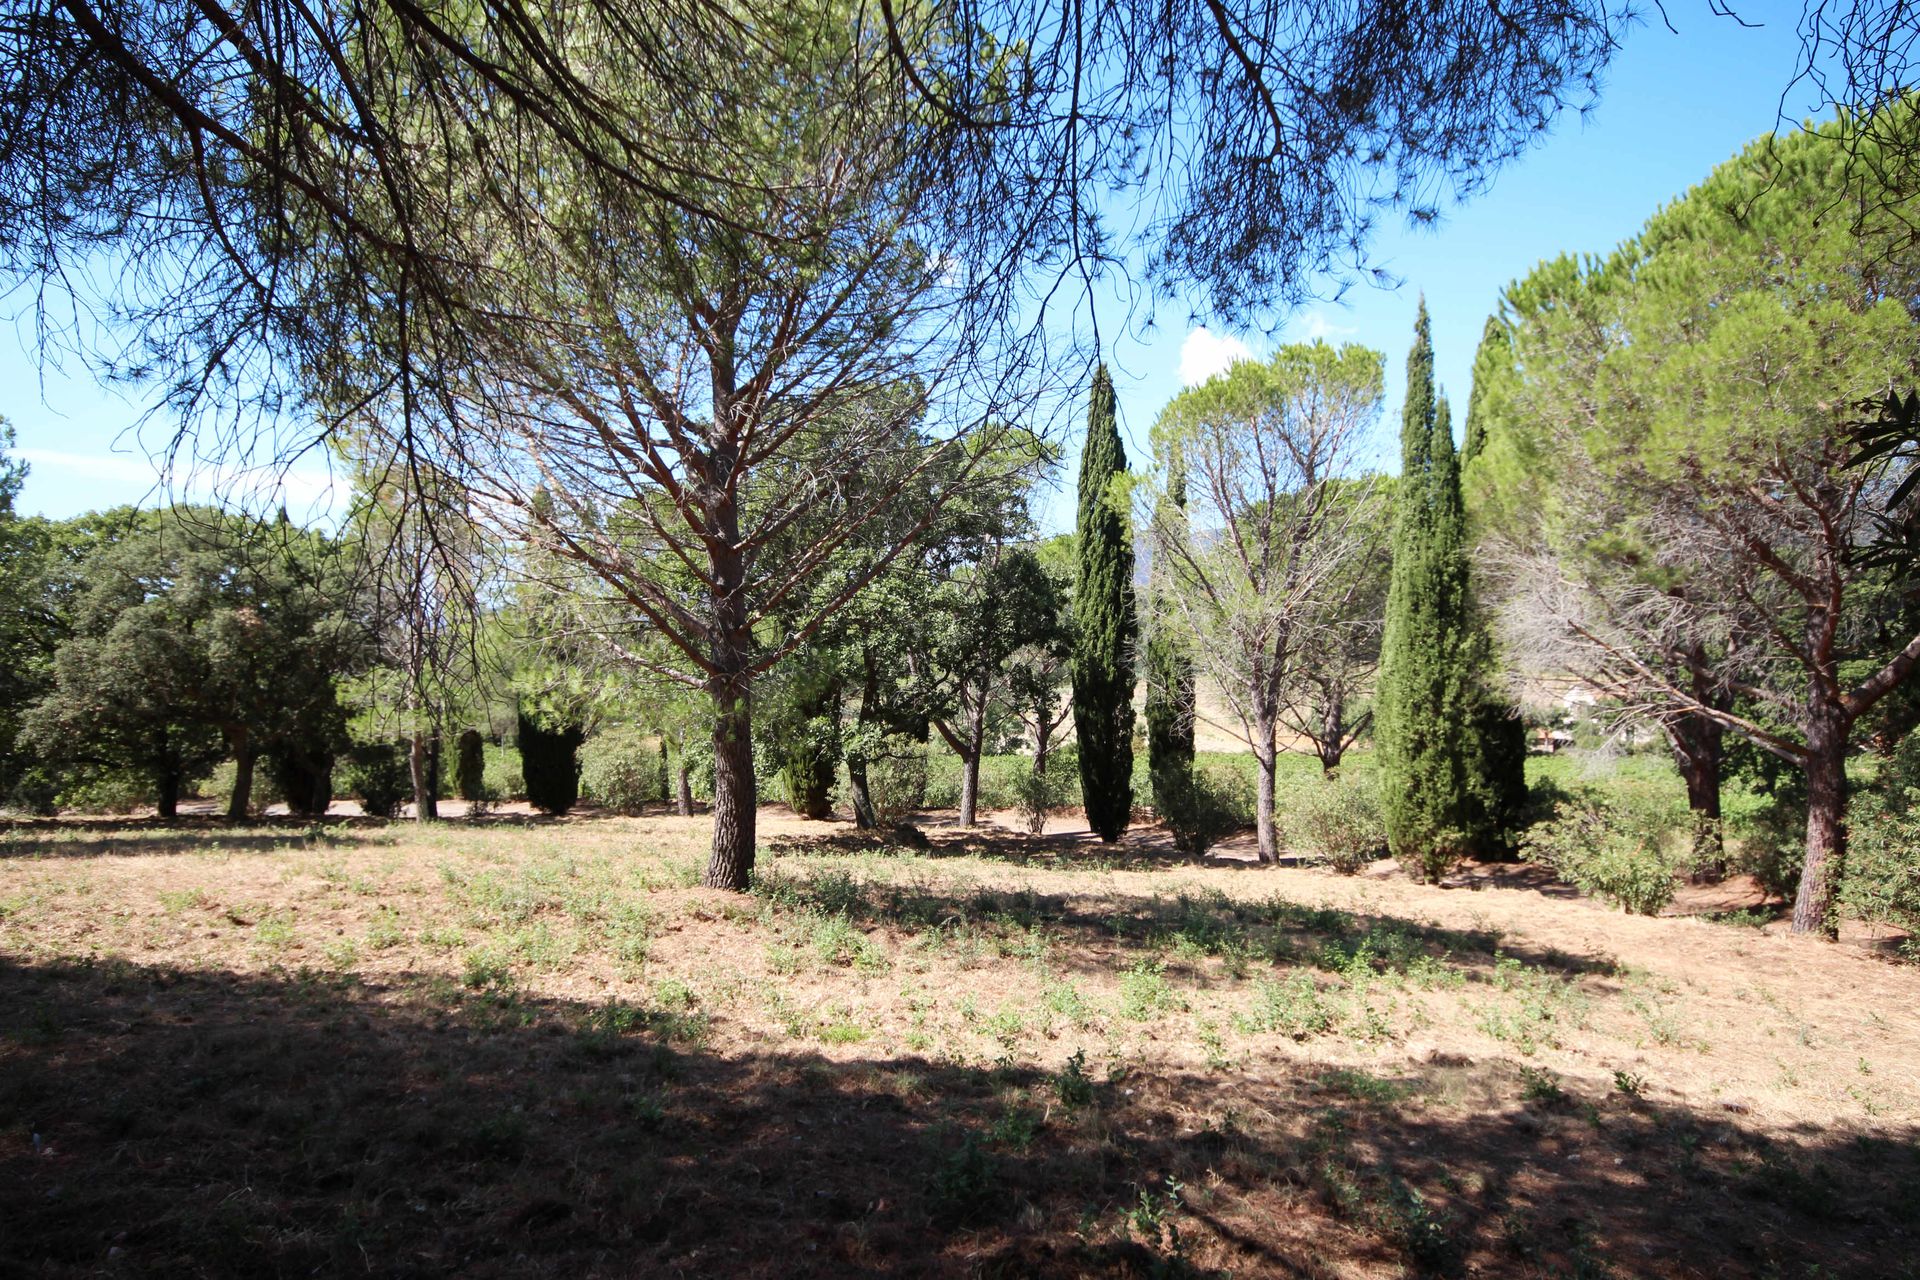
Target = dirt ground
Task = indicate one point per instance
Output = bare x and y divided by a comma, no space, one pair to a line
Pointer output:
525,1046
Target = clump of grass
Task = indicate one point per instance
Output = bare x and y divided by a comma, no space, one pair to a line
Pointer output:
1540,1086
1535,1008
485,969
1364,1086
1064,998
1005,1026
175,901
1016,1128
274,931
1145,992
1295,1008
1073,1086
963,1185
837,941
384,932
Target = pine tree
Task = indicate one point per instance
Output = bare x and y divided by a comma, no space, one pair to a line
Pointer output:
1169,709
1103,607
1433,788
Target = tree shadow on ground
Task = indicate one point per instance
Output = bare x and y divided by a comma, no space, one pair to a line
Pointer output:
166,1122
1098,920
138,835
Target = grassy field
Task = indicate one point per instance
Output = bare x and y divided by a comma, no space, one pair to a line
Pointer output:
537,1048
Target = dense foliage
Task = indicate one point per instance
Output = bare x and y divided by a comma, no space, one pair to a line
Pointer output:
1104,622
1437,796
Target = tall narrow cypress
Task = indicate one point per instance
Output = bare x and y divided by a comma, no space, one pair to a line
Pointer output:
1169,708
1104,620
1433,789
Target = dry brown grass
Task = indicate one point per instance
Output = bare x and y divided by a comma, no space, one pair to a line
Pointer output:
537,1048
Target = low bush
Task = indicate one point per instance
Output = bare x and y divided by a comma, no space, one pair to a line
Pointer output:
1003,780
35,792
1880,880
503,779
620,770
1624,846
897,780
377,775
1214,803
1037,794
1337,818
105,790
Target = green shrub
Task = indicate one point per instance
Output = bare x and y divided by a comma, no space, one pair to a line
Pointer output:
1214,803
36,791
1880,881
503,779
1624,846
378,776
1035,794
897,780
620,769
105,790
1339,819
301,775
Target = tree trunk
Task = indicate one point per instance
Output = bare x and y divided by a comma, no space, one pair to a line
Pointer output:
683,794
863,818
1698,750
167,787
970,763
242,797
1042,744
1826,769
1332,744
1263,754
426,807
734,801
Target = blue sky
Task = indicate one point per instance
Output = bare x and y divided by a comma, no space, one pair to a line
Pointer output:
1672,107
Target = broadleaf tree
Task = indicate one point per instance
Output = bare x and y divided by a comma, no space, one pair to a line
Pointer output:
1275,520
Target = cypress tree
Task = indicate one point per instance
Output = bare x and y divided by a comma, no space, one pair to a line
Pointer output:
470,774
550,763
1433,791
1103,609
1169,709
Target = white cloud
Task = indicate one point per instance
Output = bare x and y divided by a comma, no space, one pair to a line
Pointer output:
1206,353
1315,327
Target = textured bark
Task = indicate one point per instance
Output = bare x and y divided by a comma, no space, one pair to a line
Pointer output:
426,807
734,802
1697,750
1264,754
1826,769
683,796
863,819
242,796
1332,745
969,748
